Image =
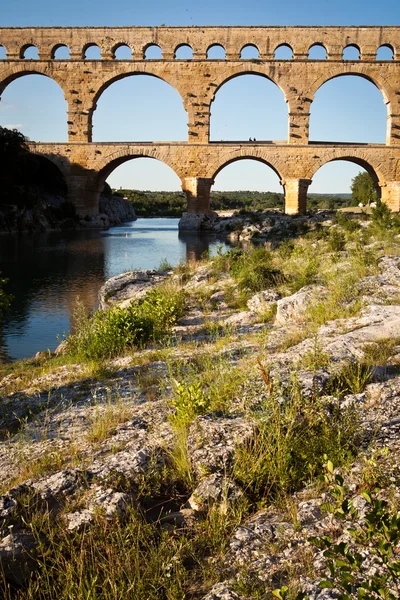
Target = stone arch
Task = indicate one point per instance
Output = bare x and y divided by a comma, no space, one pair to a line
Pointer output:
26,47
243,154
248,69
54,50
216,45
183,46
388,47
112,161
361,71
250,47
347,50
317,45
259,90
60,161
152,46
117,47
3,52
59,166
21,69
87,47
284,46
144,70
354,156
335,114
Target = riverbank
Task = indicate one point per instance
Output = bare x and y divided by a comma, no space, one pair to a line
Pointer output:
193,466
53,213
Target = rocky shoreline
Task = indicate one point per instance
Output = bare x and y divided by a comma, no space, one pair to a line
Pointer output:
75,473
53,214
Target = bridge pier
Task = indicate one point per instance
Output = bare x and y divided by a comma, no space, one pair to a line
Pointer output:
84,193
197,190
390,195
296,195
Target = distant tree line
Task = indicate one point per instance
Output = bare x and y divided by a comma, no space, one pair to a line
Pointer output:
173,204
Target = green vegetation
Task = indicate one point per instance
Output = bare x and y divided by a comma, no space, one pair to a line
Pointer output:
110,332
363,189
173,204
368,565
26,177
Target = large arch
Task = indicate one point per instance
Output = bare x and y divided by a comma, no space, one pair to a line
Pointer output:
354,157
334,178
352,110
149,109
29,95
260,124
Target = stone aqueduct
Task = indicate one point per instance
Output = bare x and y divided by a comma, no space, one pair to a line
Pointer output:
86,165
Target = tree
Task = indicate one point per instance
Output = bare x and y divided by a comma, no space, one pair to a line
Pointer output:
14,153
363,189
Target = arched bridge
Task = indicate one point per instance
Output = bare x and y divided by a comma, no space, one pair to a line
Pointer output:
85,164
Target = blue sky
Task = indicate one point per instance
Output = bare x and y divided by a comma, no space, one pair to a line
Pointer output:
345,109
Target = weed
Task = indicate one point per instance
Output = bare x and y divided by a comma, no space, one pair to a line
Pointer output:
351,379
292,435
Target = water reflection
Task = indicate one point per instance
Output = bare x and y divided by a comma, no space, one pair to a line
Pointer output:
48,272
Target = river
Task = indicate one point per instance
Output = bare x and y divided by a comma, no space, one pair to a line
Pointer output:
48,272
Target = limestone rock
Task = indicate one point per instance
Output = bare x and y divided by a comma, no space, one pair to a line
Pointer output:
198,221
132,285
214,488
262,301
212,442
292,308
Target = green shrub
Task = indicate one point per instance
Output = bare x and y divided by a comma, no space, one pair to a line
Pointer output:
376,536
336,240
253,270
107,333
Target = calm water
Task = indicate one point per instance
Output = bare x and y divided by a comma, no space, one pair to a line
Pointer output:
47,272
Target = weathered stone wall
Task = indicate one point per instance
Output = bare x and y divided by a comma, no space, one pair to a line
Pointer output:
295,159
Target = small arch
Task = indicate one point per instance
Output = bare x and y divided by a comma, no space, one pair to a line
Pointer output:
122,52
152,52
216,52
3,53
351,52
183,52
92,52
29,52
60,52
385,52
249,52
317,52
283,52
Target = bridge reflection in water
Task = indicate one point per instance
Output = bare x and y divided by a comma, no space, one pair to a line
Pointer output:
48,272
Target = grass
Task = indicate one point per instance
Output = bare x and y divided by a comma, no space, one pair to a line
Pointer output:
293,434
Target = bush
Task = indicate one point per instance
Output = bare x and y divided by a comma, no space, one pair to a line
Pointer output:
253,270
367,566
107,333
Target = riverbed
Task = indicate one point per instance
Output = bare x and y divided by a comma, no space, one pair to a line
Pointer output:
48,272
